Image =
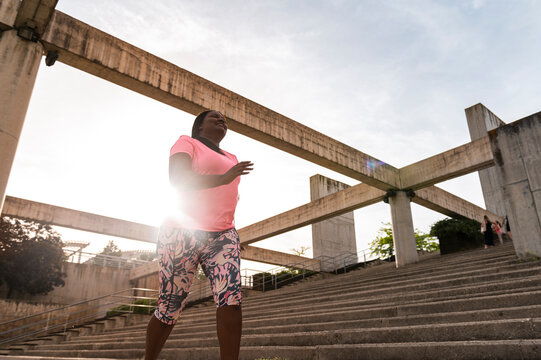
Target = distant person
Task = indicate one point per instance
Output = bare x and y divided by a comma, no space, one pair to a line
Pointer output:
486,229
497,228
507,227
207,179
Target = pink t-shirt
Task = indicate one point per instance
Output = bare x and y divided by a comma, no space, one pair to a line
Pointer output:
210,209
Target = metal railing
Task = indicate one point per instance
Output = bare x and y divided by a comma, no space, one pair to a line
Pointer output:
283,275
81,257
74,315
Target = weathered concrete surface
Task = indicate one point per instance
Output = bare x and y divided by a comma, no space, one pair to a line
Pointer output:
8,13
91,50
327,207
278,258
83,282
19,63
450,164
35,14
79,220
517,153
248,253
334,236
451,205
405,247
480,121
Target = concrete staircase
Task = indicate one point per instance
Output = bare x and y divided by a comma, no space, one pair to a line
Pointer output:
482,304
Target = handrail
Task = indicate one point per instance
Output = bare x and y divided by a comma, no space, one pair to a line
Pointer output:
338,262
103,260
75,304
68,316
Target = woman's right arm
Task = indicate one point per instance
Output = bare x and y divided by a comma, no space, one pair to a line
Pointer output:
183,178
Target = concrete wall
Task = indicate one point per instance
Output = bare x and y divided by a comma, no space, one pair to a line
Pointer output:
480,121
517,153
334,236
82,282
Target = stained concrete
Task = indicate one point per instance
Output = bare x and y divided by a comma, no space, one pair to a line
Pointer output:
19,63
93,51
403,233
517,153
335,236
450,164
480,121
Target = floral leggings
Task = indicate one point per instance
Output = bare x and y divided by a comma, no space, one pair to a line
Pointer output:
179,253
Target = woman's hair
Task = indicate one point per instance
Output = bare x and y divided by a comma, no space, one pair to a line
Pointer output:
197,123
486,218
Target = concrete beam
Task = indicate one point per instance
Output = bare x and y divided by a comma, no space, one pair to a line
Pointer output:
79,220
480,121
324,208
8,13
35,15
91,50
248,253
450,164
451,205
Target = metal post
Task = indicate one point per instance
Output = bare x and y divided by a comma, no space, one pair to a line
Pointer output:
303,271
364,254
275,281
263,281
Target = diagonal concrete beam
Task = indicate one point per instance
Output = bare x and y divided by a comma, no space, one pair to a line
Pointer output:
324,208
470,157
80,220
93,51
8,14
451,205
248,253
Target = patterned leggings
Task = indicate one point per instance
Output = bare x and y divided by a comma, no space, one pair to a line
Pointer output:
179,253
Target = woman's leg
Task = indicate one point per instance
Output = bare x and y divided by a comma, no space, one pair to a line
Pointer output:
157,334
221,264
229,328
178,258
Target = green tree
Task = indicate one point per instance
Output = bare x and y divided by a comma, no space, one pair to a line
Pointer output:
383,245
111,249
457,234
31,256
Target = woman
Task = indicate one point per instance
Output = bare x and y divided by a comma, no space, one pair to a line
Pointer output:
207,180
487,226
497,228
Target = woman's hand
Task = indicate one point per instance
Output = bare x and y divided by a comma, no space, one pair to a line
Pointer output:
242,168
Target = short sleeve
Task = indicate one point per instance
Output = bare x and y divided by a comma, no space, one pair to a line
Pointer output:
183,145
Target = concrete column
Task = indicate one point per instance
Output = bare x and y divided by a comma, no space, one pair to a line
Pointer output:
480,121
335,236
517,153
403,233
19,62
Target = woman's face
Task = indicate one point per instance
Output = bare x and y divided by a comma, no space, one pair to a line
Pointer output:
213,126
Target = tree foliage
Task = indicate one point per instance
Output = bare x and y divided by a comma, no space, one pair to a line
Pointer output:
31,256
111,249
457,234
383,246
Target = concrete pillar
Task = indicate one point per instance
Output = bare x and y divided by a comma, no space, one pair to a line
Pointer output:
335,236
480,121
403,233
19,62
517,154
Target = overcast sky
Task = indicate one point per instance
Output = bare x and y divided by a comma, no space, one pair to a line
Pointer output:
390,78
